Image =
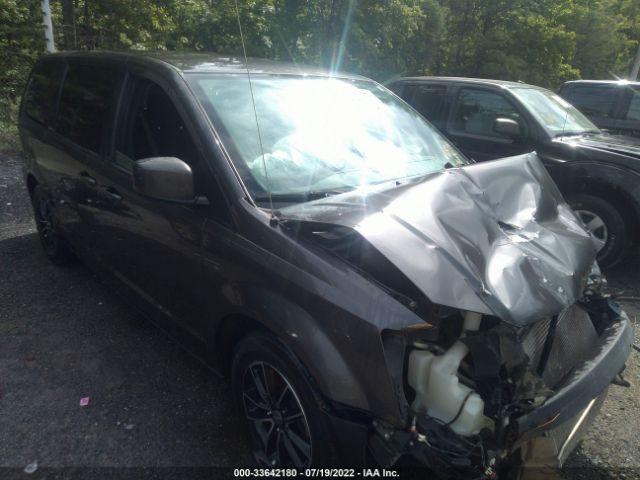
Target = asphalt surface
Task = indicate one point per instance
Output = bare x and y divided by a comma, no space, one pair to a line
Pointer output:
152,407
63,337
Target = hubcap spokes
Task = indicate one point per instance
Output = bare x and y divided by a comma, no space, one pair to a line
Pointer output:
594,225
45,223
276,417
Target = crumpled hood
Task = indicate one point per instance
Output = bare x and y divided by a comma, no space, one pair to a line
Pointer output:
619,144
494,237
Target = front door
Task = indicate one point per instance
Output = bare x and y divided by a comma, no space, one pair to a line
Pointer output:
472,120
155,247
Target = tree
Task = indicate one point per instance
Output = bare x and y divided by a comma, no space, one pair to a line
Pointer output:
538,41
600,40
69,25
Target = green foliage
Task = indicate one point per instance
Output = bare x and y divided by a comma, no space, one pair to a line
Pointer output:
20,44
544,42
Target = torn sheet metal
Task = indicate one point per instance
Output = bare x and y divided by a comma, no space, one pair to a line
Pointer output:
494,237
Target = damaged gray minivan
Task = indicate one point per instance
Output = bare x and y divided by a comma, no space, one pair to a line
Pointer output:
373,296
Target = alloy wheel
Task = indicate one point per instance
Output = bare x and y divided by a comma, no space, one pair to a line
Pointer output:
277,421
595,225
44,220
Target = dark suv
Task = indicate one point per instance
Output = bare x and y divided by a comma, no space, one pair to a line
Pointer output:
371,294
612,105
597,173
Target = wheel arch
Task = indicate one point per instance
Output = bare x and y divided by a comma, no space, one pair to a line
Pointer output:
624,203
236,327
305,336
230,332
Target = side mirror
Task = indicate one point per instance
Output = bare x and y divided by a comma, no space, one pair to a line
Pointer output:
164,178
507,127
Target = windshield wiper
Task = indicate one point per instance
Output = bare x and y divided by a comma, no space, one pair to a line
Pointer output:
575,133
300,197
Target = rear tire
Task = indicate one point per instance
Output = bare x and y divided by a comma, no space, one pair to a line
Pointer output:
605,223
286,425
54,245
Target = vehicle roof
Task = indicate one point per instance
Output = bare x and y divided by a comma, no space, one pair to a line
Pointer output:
478,81
603,82
189,62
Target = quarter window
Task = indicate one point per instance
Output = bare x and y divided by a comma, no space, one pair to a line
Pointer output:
42,94
87,96
476,111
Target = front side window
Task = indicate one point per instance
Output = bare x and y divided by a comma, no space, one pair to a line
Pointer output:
153,127
475,112
595,100
557,116
87,96
42,93
319,134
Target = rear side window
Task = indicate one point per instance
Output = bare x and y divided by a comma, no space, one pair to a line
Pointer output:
87,96
429,100
476,111
42,94
595,100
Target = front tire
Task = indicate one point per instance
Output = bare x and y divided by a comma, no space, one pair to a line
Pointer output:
54,245
287,427
605,223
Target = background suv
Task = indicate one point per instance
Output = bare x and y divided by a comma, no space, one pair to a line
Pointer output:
598,174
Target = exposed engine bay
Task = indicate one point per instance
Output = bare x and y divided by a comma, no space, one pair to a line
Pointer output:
519,339
465,394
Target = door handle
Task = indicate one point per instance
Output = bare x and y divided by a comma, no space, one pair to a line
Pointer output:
88,178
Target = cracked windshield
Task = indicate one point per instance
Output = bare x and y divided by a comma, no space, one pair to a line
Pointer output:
320,134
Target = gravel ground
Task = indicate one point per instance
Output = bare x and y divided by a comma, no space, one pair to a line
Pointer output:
153,408
611,448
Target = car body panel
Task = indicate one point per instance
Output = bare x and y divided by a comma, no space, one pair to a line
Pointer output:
516,232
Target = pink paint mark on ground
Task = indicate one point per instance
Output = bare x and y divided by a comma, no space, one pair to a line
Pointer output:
84,401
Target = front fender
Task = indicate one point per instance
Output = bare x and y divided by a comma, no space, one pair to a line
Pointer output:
343,354
573,176
622,182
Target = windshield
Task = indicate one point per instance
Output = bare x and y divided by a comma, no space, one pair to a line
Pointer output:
557,116
319,134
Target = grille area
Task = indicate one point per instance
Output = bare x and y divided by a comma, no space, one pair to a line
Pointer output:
533,342
573,341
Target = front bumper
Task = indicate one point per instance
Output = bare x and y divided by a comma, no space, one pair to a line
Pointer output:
585,384
544,436
552,448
